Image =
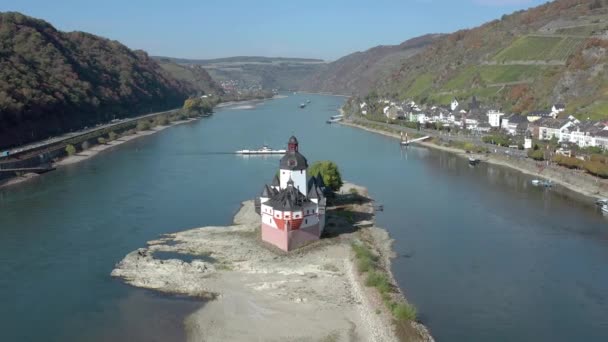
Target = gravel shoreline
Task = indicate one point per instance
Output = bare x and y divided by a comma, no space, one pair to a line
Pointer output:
315,292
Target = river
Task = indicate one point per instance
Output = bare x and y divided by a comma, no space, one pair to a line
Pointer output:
482,253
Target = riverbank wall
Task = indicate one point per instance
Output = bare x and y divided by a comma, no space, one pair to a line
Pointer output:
577,181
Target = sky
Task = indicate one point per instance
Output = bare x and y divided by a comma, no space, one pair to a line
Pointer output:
325,29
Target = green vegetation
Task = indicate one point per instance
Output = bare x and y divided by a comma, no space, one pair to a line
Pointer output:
161,121
143,125
498,139
536,154
596,168
70,150
569,162
368,262
197,106
101,140
112,136
330,173
420,86
539,48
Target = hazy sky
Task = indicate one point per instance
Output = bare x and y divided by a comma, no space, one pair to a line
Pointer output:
314,28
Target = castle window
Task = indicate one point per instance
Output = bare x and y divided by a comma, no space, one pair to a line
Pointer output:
306,221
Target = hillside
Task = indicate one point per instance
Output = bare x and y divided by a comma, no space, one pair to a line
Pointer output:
195,75
52,82
358,72
553,53
254,73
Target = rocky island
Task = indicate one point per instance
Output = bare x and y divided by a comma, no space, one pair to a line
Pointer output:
253,290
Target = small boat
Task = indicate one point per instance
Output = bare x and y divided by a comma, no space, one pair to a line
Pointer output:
330,121
547,184
605,209
307,101
602,201
302,105
535,182
263,150
473,161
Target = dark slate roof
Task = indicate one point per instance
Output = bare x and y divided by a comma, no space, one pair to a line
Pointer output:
314,193
540,113
293,160
288,199
517,119
560,106
550,123
266,191
276,181
292,140
320,181
474,104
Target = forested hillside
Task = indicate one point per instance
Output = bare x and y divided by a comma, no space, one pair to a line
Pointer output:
357,73
52,82
554,53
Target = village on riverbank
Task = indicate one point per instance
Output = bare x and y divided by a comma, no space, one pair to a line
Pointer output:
549,144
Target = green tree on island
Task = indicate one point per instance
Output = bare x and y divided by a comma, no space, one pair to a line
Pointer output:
330,173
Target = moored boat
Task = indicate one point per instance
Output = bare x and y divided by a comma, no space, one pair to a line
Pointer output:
263,150
605,209
473,161
302,105
535,182
602,202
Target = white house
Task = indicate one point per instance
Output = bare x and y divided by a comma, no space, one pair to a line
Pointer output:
494,117
454,104
556,109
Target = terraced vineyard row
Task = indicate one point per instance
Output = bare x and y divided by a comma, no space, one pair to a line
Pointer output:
539,48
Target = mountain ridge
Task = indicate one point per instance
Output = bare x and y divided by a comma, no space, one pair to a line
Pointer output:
53,82
358,72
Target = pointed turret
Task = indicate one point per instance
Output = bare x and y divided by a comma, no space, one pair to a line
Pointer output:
276,182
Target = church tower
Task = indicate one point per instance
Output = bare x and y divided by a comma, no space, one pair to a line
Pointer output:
293,167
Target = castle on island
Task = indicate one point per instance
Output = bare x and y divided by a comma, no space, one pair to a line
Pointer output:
293,207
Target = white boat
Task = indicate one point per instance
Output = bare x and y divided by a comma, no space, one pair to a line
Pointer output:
535,182
605,208
602,201
330,121
302,105
263,150
473,161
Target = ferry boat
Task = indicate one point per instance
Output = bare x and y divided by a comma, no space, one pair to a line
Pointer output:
262,150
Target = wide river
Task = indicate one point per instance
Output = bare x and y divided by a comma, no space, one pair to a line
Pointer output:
484,255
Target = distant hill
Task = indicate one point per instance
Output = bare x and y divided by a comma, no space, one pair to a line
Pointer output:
52,82
256,72
553,53
358,72
242,59
195,75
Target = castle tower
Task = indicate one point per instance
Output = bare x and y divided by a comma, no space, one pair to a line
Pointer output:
293,166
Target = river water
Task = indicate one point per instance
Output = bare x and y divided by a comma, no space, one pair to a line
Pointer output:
484,255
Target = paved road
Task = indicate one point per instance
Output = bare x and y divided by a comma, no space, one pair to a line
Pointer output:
54,140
